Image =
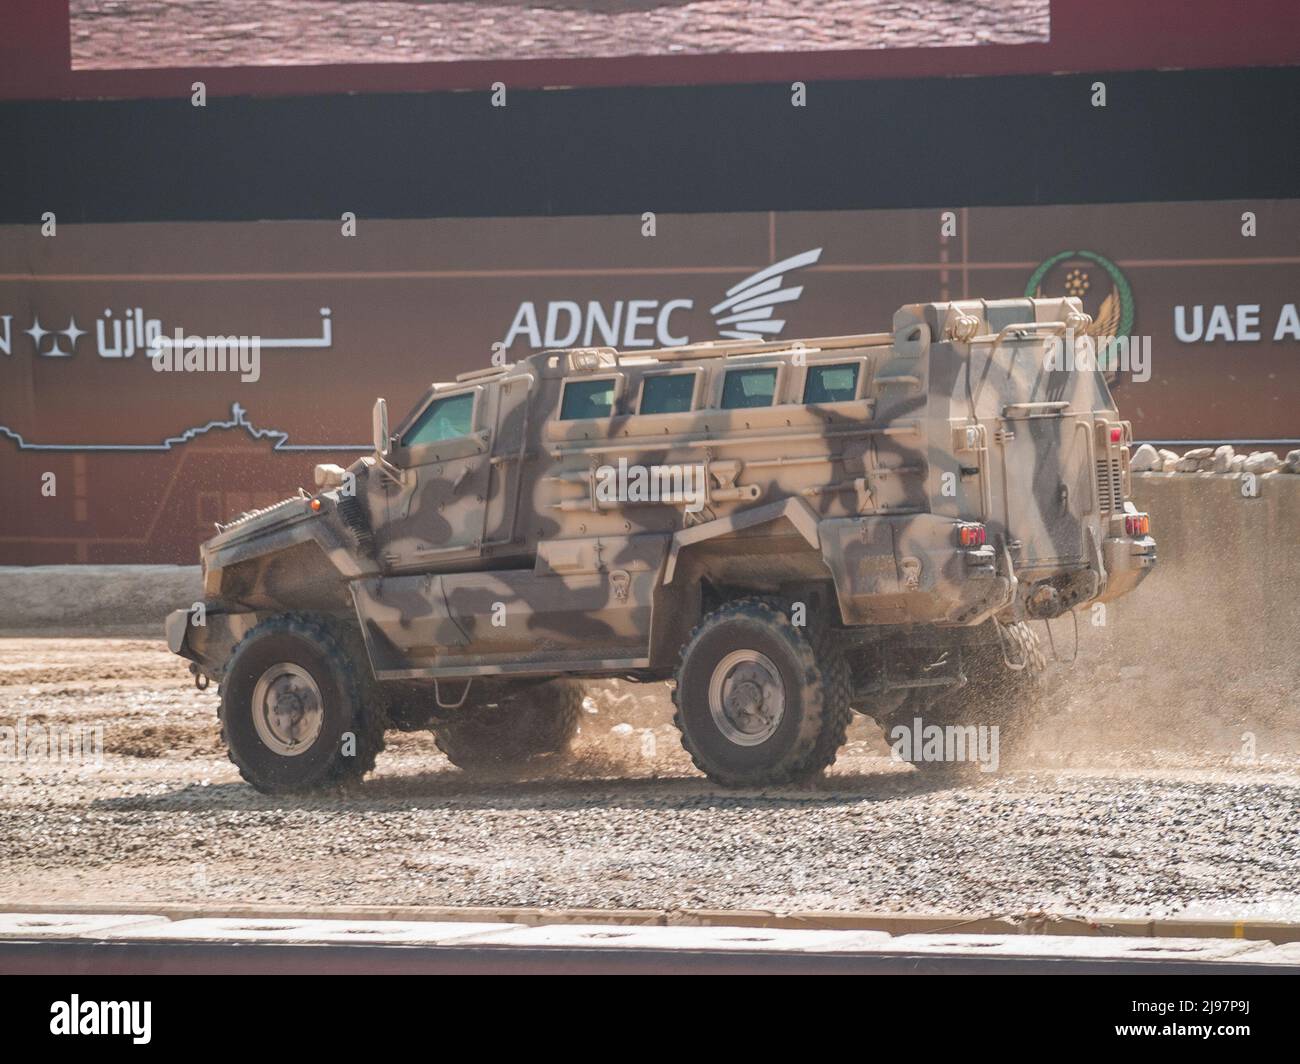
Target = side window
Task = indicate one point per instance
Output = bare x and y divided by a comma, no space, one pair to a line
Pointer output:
586,398
743,388
443,419
831,384
667,393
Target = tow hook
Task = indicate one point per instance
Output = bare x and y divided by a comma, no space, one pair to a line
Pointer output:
201,678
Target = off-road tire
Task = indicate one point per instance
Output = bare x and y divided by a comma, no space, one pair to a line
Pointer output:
522,726
816,688
994,695
352,731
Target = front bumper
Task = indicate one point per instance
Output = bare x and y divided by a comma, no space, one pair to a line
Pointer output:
209,644
177,626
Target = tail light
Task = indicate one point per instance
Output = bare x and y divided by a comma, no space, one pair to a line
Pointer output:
971,535
1137,524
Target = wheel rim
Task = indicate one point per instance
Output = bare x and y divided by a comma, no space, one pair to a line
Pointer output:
746,697
288,711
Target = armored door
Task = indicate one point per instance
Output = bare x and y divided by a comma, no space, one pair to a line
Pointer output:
436,504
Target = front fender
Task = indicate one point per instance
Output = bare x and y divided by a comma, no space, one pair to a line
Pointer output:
260,538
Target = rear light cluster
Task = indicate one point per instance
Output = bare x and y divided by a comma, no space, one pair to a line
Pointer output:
971,535
1137,524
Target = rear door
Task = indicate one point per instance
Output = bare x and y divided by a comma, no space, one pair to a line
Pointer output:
1047,489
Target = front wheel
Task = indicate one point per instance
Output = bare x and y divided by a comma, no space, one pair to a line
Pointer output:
760,701
298,711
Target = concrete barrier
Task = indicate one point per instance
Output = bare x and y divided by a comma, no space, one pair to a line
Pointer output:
1235,559
55,918
155,944
94,599
1202,655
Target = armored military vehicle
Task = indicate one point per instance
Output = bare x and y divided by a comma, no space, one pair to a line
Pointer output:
788,531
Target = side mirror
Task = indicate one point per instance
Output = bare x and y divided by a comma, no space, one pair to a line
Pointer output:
379,427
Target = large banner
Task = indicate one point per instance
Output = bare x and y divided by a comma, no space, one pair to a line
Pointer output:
91,49
108,34
118,443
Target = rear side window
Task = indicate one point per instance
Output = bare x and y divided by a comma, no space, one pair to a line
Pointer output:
743,388
668,393
831,384
584,399
443,419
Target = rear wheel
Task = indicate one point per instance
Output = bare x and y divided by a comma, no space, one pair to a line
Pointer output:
298,708
525,724
760,701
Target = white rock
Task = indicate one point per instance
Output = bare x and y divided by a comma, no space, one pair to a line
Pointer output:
1168,460
1239,464
622,729
1292,463
1146,459
1223,457
1262,462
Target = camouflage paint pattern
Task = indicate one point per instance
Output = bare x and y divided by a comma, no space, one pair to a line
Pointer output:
494,552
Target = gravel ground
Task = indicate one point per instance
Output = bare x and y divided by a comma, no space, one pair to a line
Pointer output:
1124,829
172,33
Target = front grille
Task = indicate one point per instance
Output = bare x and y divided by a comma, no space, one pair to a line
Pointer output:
354,516
1110,484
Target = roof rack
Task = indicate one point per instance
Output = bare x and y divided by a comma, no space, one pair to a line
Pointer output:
475,374
724,348
704,349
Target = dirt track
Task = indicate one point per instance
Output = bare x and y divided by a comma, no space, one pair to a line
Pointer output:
175,33
1124,829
